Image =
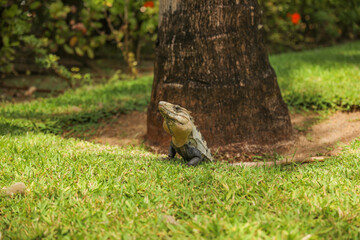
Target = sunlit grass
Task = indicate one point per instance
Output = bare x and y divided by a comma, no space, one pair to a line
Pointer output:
322,78
81,190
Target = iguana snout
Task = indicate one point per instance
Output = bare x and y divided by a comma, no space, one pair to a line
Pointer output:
174,113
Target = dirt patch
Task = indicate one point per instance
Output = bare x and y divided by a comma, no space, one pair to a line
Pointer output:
124,130
325,138
313,136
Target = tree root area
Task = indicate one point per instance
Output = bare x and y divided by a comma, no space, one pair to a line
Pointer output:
315,138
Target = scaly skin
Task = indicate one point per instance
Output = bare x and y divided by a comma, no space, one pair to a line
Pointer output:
186,139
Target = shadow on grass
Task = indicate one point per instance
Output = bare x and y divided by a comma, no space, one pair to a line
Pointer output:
77,108
58,123
8,128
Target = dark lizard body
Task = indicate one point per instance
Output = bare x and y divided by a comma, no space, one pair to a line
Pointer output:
187,152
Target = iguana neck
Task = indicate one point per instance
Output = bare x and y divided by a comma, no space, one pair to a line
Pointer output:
179,133
179,142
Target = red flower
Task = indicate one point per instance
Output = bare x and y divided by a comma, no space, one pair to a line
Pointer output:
295,18
149,4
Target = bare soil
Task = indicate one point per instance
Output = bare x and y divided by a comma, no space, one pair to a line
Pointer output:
323,137
127,129
315,137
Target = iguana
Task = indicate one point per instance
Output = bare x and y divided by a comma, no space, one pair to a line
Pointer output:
186,140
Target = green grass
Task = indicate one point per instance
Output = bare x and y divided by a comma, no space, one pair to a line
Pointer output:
76,110
320,79
81,190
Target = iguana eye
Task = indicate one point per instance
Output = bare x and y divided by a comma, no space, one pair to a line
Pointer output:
177,108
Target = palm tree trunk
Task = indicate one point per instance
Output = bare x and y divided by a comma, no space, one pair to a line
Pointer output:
211,59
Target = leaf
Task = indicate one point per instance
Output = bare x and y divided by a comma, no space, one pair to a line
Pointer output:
79,51
53,58
68,49
229,195
77,76
73,41
90,53
15,44
6,41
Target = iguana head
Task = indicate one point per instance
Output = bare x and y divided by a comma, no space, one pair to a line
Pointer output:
177,121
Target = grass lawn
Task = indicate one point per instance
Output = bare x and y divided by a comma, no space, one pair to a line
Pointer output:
76,110
322,78
81,190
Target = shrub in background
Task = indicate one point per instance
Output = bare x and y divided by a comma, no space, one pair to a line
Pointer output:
58,27
53,28
299,24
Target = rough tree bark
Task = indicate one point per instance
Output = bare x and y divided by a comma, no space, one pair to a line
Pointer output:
211,59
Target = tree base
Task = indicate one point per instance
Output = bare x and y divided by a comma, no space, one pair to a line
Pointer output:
235,152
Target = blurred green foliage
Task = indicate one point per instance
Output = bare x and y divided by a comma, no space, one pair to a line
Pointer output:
58,27
45,30
321,23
